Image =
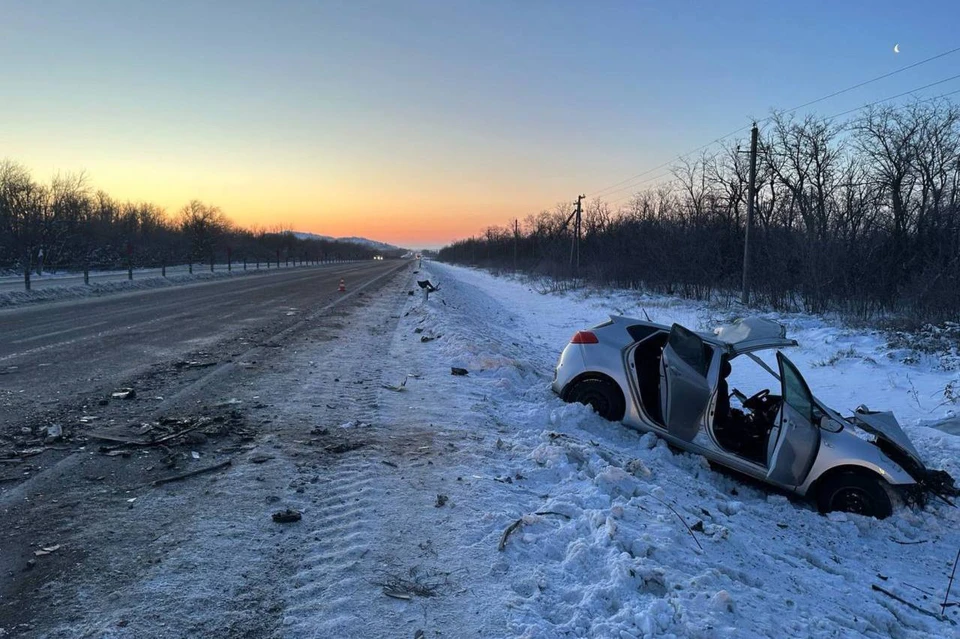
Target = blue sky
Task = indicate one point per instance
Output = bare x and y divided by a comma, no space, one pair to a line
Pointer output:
423,120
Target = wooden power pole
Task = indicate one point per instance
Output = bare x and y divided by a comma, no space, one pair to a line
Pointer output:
575,243
751,200
516,241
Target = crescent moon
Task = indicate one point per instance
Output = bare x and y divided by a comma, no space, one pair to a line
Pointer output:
896,48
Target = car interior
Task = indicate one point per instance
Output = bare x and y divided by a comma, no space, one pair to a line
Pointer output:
744,430
647,361
742,424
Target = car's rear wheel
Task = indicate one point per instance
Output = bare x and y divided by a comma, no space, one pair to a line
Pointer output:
602,395
854,492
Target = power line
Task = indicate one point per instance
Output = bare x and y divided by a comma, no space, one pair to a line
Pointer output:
667,163
832,117
607,190
872,80
899,95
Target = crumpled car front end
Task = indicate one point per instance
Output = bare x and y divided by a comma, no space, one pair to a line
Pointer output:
894,443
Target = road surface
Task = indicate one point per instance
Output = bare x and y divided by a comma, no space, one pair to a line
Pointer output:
14,283
79,351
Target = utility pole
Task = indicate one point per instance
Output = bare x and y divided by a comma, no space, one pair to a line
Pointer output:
751,199
575,241
516,241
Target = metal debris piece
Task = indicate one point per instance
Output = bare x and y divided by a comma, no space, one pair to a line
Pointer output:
287,516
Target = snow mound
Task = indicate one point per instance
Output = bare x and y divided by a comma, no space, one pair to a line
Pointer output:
618,536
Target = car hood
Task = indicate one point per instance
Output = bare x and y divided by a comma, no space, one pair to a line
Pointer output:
884,426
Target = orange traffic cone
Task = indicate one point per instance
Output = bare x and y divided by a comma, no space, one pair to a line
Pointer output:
343,286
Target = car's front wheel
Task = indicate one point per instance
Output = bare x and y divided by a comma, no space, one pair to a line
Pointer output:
854,492
602,395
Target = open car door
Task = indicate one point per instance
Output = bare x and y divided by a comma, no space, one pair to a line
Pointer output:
795,439
684,390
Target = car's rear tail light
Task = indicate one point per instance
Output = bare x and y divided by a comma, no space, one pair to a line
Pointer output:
584,337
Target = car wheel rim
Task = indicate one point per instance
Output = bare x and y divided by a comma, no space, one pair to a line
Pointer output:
853,500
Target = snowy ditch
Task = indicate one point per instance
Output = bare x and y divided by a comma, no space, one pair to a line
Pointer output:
633,540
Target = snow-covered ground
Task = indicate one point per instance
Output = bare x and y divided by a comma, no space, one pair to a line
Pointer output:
608,556
482,505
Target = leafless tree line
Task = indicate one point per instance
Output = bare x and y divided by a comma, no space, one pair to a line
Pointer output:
860,217
78,227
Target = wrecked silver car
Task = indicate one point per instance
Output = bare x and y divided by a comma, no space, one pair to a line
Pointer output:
673,382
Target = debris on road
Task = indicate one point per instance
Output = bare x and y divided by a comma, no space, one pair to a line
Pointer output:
455,370
46,550
402,385
287,516
53,432
185,364
124,393
427,285
441,501
260,458
428,338
171,429
199,471
344,447
524,520
418,584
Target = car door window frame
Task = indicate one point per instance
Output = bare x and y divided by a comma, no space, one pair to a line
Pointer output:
797,444
692,371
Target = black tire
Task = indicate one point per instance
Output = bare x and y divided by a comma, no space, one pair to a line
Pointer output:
602,395
854,492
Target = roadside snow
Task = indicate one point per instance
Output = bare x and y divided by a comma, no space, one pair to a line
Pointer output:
608,555
483,506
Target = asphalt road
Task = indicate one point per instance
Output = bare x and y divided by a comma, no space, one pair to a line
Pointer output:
14,283
73,352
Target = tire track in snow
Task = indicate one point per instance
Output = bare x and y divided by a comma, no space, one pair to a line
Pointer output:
328,579
377,518
330,586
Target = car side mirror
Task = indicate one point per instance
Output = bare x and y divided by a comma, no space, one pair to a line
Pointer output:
830,425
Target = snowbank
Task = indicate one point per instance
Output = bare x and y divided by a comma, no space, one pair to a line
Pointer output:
620,537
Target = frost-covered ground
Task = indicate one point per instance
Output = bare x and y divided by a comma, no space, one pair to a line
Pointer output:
609,556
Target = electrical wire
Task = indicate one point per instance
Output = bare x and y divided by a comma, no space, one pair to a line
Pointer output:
612,188
872,80
832,117
899,95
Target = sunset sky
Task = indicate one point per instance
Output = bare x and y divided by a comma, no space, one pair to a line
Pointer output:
418,122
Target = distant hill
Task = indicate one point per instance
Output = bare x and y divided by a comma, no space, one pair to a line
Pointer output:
362,241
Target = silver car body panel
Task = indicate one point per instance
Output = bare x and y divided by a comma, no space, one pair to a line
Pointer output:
685,391
798,455
794,440
753,334
884,425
